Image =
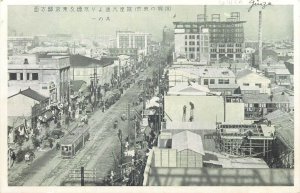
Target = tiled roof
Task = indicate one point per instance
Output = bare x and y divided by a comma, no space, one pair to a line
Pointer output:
284,124
31,94
83,61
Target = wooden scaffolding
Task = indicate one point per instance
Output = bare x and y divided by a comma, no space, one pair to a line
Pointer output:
245,139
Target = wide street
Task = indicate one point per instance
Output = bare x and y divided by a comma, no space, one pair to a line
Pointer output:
98,153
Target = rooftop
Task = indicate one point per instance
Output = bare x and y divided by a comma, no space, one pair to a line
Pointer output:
185,89
284,124
83,61
73,135
219,177
31,94
187,140
264,98
206,71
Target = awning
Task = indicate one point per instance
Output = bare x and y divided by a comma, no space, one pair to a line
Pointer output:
47,116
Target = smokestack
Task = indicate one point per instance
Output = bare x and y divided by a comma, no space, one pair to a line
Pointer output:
260,41
204,13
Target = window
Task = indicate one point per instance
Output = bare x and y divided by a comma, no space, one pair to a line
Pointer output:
28,76
21,76
212,81
186,37
12,76
223,81
185,49
35,76
213,55
198,49
226,81
185,43
198,37
259,85
205,81
245,84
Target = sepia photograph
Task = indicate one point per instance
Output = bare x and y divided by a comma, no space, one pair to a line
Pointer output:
149,95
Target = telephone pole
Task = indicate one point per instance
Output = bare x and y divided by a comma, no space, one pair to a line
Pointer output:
94,82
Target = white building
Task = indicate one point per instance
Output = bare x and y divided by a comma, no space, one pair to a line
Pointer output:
248,78
130,39
196,108
48,76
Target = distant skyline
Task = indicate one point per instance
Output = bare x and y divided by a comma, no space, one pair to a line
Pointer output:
277,20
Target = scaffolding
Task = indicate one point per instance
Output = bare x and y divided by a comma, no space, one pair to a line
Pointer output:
245,140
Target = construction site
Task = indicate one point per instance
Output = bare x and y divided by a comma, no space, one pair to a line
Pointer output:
245,140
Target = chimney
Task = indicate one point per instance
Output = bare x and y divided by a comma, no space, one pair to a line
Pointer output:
260,40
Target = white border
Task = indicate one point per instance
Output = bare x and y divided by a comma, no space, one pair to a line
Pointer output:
3,100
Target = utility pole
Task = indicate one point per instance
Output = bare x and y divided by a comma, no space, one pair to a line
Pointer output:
128,120
82,176
94,81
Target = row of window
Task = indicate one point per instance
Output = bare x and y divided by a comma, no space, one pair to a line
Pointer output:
192,49
212,81
14,76
228,55
227,45
247,84
204,37
230,50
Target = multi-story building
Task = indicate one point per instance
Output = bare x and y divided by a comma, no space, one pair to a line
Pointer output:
48,76
20,44
168,36
130,39
210,40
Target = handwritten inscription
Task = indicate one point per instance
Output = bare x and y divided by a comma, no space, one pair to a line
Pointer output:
255,3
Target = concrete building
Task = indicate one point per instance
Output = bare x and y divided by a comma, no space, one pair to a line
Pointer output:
210,40
48,76
189,108
130,39
251,79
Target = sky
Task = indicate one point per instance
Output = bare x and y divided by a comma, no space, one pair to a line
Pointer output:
277,20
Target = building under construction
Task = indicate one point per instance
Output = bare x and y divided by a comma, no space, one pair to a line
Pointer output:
210,40
245,140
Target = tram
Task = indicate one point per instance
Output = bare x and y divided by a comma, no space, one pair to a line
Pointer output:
74,141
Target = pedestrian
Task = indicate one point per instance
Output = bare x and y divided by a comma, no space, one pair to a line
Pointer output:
13,157
115,124
57,146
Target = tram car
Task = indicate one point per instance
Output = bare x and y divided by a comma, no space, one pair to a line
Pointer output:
74,141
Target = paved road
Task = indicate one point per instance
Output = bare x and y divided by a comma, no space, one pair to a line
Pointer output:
51,170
